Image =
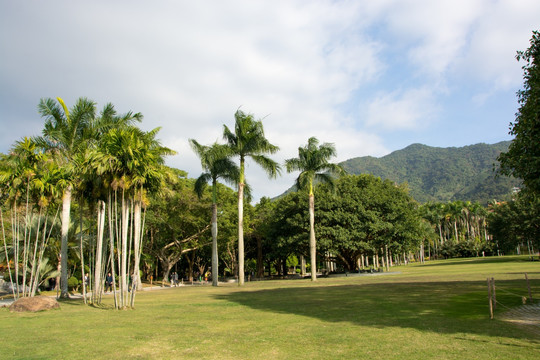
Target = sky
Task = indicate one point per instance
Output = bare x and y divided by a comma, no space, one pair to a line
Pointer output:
371,77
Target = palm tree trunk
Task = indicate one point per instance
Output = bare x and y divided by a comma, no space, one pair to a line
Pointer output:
96,294
312,241
83,271
34,269
241,234
260,264
123,267
66,206
135,278
215,272
15,243
111,244
7,255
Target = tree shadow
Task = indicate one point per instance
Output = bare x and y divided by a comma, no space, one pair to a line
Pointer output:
477,260
441,307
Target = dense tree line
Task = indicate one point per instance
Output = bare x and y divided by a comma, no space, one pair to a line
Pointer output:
361,221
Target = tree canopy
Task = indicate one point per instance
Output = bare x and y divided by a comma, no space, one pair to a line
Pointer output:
523,157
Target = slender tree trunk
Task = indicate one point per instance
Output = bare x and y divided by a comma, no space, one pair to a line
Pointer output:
15,241
35,269
215,270
241,234
137,244
83,270
5,250
387,259
302,265
99,252
66,207
260,263
26,240
191,262
123,267
112,233
312,241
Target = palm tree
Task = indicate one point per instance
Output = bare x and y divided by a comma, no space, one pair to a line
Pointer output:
66,133
216,162
132,161
312,162
248,140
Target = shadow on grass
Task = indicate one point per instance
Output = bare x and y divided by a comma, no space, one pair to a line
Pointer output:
442,307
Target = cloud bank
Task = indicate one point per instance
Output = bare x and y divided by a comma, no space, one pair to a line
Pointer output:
367,76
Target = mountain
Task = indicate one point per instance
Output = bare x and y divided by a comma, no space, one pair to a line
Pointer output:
442,174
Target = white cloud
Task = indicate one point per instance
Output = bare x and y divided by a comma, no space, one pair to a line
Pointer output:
187,66
401,109
505,27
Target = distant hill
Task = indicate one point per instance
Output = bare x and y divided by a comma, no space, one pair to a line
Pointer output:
441,174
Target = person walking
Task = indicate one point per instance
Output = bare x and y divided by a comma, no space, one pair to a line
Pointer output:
108,282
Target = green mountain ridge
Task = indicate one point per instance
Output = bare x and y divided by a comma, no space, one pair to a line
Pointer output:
442,174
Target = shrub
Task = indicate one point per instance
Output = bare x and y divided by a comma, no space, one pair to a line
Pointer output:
73,283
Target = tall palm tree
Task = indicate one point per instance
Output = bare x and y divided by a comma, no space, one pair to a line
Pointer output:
216,162
248,140
312,162
66,133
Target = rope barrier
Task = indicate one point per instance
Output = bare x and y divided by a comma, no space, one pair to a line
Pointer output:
492,297
508,292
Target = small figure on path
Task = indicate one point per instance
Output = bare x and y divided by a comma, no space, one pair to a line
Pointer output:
108,282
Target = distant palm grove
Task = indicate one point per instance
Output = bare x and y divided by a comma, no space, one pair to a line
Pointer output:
91,199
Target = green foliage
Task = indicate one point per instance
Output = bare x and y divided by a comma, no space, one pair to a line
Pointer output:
312,162
441,174
460,228
360,216
516,223
364,215
523,157
248,140
73,282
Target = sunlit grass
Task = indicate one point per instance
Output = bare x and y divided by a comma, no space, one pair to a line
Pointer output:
437,310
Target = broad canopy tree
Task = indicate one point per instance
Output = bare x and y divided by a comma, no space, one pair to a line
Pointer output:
366,216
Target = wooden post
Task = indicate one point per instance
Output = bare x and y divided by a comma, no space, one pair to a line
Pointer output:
493,294
529,288
490,300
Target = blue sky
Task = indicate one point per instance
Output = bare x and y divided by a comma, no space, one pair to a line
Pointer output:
370,76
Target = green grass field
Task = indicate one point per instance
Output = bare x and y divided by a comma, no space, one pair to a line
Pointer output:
437,310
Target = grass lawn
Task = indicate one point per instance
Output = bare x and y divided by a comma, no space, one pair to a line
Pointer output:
437,310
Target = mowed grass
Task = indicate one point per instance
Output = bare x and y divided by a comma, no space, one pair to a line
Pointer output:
436,310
